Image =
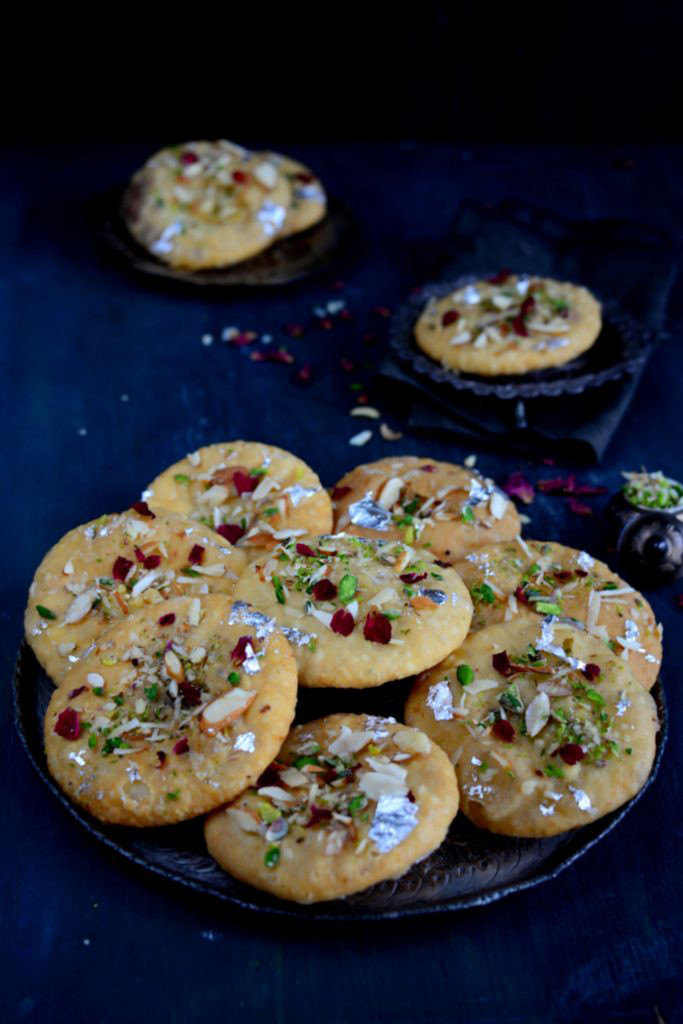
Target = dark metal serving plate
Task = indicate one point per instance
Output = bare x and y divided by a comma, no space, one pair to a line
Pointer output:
290,259
620,349
471,868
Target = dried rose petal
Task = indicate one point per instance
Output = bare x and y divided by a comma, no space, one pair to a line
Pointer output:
239,651
346,364
244,483
324,590
503,730
558,485
340,492
517,486
591,671
519,327
444,565
280,355
68,724
579,509
152,561
377,628
243,338
588,490
294,330
167,620
140,554
527,306
77,691
342,622
449,317
412,577
520,594
318,814
143,509
304,375
161,757
562,575
571,753
121,568
239,176
191,694
182,746
196,555
306,179
231,532
303,549
499,278
428,468
188,157
580,572
501,663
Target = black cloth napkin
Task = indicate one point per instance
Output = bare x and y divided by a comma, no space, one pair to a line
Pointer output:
623,260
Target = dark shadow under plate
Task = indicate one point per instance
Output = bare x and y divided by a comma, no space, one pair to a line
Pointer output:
317,249
620,349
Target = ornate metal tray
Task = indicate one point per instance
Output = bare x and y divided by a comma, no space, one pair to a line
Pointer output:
470,869
621,348
291,259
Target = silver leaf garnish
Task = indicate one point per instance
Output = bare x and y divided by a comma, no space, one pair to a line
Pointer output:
242,612
440,700
471,295
585,561
631,630
623,704
583,801
164,242
546,643
311,192
437,596
246,741
297,636
480,491
369,514
395,818
272,216
297,493
251,664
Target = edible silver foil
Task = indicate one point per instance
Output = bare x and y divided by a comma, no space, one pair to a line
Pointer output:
297,636
585,561
440,700
369,514
395,818
546,643
246,741
251,664
437,596
241,612
272,216
297,493
583,801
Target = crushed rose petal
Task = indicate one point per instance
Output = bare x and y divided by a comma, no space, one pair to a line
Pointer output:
140,554
167,620
324,590
121,568
68,724
239,651
579,508
77,691
143,509
182,746
340,492
244,483
377,628
591,671
196,556
412,577
318,814
342,622
449,317
231,532
304,375
303,549
280,355
503,730
571,753
499,278
517,486
270,776
191,694
152,561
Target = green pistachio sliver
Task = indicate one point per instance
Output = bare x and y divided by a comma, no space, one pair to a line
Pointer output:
467,514
279,590
465,674
348,586
44,612
272,857
181,478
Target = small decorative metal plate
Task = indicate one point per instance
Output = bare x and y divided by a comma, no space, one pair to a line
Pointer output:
471,868
620,349
288,260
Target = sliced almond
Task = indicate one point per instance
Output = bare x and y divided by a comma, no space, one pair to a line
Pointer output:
174,666
412,741
225,709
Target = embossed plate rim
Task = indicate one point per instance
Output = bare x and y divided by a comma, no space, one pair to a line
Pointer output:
27,674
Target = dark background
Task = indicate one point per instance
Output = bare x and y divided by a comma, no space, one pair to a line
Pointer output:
574,106
600,72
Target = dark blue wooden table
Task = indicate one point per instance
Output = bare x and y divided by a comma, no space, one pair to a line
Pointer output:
105,381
